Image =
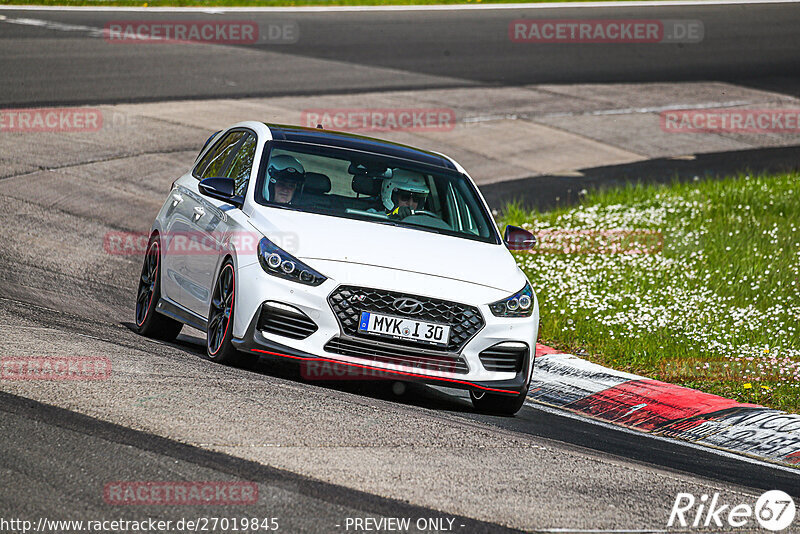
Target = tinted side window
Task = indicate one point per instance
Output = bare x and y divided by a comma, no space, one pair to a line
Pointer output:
213,163
242,163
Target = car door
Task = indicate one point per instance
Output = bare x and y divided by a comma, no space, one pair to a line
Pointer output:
212,221
184,245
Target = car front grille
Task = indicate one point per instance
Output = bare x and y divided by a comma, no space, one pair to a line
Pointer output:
286,321
397,355
506,357
348,302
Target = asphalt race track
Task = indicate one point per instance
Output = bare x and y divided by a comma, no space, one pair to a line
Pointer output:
367,51
319,452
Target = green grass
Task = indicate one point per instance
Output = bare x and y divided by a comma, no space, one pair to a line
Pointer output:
261,3
716,309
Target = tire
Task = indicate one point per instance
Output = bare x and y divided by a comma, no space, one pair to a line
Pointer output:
149,322
220,318
492,403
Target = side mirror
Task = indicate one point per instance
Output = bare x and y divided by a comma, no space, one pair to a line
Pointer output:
516,238
222,189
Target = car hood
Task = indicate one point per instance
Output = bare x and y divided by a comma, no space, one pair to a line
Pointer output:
310,237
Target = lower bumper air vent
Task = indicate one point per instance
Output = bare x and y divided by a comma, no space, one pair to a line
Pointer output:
506,357
284,320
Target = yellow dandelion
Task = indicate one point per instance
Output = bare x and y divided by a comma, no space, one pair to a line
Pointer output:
747,386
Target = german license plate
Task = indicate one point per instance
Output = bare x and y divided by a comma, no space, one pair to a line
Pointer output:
397,327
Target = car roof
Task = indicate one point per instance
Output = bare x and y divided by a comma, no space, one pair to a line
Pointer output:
318,136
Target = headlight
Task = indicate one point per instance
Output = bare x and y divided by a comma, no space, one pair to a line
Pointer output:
280,263
519,304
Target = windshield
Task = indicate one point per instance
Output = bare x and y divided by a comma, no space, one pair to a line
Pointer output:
373,188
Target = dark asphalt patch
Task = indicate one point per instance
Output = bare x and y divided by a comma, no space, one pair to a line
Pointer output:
116,451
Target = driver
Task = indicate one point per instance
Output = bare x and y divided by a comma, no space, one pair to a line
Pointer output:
404,193
286,179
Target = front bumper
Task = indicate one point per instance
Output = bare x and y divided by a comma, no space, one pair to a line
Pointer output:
257,287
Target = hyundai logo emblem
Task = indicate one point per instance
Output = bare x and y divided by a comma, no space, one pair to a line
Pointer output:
407,305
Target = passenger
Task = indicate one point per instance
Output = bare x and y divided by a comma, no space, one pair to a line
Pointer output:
286,178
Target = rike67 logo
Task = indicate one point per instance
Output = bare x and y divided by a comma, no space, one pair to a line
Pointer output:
774,510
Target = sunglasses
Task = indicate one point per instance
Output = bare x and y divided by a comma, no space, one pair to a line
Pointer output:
405,196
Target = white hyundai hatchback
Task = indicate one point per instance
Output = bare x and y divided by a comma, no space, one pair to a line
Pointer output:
328,247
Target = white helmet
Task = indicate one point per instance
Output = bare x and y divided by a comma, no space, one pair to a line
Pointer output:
284,168
403,180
